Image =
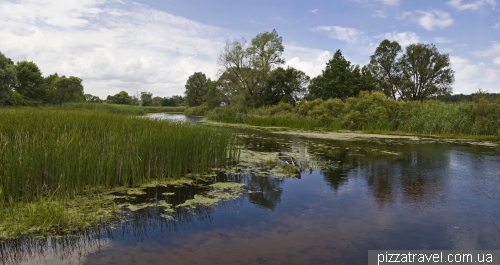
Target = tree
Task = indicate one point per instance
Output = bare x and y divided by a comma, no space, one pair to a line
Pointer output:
7,78
212,97
340,79
92,99
68,89
285,85
121,97
196,88
49,88
249,66
146,99
425,72
385,69
29,81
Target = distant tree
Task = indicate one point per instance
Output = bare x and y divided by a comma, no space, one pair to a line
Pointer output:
7,78
68,89
385,68
146,99
29,81
425,72
285,85
92,99
196,88
157,101
340,79
121,97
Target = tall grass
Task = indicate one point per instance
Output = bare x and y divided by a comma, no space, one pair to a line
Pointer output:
121,109
61,153
373,112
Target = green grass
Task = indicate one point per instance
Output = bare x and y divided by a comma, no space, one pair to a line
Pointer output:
59,154
121,109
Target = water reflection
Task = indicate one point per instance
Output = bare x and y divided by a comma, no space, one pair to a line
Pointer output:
377,196
174,117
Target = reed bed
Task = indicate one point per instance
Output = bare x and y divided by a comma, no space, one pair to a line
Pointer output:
121,109
61,153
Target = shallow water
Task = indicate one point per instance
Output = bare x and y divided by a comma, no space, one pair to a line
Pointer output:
353,197
174,117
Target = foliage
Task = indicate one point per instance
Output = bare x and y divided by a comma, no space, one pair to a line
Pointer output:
121,109
385,69
340,79
68,89
146,99
92,99
121,97
29,81
196,88
7,78
246,67
197,110
285,85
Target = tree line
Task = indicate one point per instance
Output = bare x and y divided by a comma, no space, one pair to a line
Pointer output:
252,75
22,83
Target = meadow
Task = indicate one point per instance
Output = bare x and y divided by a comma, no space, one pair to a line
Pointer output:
50,157
121,109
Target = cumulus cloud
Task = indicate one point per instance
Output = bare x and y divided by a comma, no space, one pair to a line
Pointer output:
349,35
310,61
434,19
403,15
111,46
492,52
470,76
471,5
315,11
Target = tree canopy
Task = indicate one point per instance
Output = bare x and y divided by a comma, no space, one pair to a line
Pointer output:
29,81
196,88
7,78
68,89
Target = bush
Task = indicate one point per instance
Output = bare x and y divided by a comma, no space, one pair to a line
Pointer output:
197,111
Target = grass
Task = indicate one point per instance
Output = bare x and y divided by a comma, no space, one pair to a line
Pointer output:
49,156
121,109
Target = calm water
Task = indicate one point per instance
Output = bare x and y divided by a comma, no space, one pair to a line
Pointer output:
430,196
174,117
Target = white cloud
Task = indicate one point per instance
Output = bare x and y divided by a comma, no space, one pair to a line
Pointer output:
470,76
441,40
349,35
390,2
315,11
310,61
111,46
403,38
472,5
493,52
432,19
496,26
496,61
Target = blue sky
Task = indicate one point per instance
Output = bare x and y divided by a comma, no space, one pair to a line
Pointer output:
156,45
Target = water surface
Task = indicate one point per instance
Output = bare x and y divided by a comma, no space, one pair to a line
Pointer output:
357,197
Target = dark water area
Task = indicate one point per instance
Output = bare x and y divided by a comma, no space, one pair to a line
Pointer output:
361,196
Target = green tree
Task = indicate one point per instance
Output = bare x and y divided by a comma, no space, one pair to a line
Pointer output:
49,88
425,72
249,66
212,97
7,78
121,97
340,79
92,99
29,81
196,88
285,85
385,68
68,89
146,99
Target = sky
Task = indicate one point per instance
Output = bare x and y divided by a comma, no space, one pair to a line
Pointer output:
154,46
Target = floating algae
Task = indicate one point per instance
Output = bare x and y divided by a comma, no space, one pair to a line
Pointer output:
220,191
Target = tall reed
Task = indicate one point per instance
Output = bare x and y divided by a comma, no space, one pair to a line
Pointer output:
60,153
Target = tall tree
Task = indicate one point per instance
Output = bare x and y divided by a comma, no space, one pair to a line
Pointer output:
425,72
7,78
212,97
285,85
146,99
49,88
196,88
121,97
340,79
249,65
29,81
68,89
385,69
